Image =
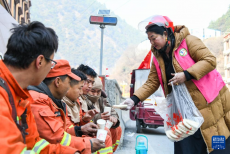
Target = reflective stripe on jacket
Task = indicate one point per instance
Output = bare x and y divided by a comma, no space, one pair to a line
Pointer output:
53,126
10,137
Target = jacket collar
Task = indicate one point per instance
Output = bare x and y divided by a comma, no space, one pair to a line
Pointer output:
68,101
43,88
83,97
9,78
180,33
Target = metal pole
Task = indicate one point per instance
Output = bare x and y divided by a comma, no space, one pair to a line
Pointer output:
102,26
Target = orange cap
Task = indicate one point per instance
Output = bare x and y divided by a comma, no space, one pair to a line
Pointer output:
62,68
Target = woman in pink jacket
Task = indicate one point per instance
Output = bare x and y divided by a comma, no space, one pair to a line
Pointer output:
182,58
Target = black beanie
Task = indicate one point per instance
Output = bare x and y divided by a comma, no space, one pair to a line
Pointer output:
156,29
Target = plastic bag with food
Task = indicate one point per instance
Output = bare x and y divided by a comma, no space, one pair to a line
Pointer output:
181,117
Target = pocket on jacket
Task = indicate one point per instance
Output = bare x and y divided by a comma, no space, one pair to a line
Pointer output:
51,119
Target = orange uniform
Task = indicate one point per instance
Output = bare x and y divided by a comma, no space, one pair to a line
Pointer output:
108,140
53,126
10,136
116,135
115,131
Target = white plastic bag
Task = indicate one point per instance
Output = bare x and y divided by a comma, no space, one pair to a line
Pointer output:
178,109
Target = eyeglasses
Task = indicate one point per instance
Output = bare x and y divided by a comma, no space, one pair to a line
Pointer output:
53,63
90,81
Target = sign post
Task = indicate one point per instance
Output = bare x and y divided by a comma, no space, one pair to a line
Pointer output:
102,21
102,26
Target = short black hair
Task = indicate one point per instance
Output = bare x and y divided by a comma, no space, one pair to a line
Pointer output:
48,81
87,70
27,42
79,73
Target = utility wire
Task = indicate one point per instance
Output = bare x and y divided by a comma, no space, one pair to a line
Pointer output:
83,15
121,5
96,9
88,7
81,18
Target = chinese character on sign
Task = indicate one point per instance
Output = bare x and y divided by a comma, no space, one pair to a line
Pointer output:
218,142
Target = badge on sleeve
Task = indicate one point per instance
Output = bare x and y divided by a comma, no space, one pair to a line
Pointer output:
183,52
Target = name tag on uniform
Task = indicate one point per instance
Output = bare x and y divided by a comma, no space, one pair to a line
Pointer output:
57,113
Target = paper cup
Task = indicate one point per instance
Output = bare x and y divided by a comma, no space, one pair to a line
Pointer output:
194,125
109,124
107,109
101,134
101,123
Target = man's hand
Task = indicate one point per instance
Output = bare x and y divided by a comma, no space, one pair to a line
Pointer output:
113,120
89,128
97,144
89,115
129,102
105,116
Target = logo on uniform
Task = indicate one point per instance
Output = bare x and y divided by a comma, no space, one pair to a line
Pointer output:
183,52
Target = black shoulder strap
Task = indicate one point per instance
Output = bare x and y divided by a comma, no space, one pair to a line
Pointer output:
24,126
5,86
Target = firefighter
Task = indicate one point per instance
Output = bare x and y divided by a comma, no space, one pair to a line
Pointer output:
27,61
99,101
74,109
91,75
73,104
50,112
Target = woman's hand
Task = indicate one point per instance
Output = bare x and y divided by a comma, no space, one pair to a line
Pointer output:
177,79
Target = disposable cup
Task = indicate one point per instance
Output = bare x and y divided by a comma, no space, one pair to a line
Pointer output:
101,134
194,125
101,123
170,136
108,124
107,109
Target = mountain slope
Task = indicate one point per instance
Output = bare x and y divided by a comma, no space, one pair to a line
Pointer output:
222,23
79,41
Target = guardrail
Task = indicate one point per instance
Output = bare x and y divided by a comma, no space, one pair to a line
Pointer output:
114,96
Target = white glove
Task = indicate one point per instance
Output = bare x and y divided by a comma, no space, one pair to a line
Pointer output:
129,102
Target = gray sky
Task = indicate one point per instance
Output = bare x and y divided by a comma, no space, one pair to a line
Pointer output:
192,13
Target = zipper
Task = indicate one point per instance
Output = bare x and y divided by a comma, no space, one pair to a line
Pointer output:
173,66
204,141
60,110
162,78
172,58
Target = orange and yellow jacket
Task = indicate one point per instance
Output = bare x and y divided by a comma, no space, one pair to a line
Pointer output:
53,125
10,136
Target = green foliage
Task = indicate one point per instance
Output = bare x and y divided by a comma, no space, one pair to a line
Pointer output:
79,41
222,23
